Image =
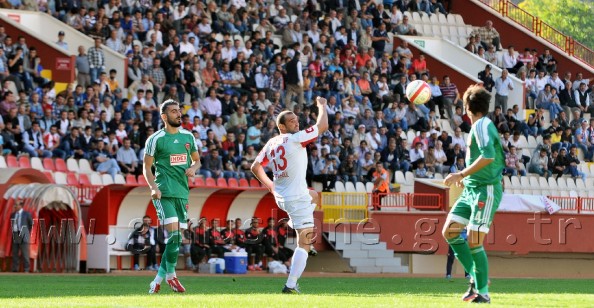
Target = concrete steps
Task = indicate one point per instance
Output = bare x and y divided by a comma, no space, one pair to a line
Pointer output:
366,253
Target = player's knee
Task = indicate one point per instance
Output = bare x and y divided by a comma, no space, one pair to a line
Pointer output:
449,233
174,238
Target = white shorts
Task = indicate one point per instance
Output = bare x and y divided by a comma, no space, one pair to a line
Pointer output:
300,212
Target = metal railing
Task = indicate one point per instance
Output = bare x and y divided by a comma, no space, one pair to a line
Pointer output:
543,30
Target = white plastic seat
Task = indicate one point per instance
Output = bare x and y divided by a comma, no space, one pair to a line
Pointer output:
349,187
580,184
564,193
451,19
525,182
445,31
106,179
416,18
339,187
427,31
542,183
438,176
442,19
369,187
60,178
119,179
573,194
409,178
553,183
507,182
360,187
454,31
72,165
85,166
410,136
590,193
535,192
515,181
436,30
462,32
561,183
96,179
3,162
532,144
433,19
571,184
462,41
400,177
534,182
36,163
458,18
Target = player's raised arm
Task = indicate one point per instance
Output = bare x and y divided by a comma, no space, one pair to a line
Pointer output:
322,122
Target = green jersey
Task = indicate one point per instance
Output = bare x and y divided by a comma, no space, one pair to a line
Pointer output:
483,140
173,155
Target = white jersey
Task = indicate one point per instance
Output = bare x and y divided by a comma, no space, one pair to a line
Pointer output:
288,156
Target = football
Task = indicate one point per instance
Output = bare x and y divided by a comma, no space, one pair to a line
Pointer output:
418,92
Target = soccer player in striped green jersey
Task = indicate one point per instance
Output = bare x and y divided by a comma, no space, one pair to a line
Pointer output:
172,150
481,196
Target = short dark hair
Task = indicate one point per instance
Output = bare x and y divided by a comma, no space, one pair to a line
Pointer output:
282,117
477,99
166,104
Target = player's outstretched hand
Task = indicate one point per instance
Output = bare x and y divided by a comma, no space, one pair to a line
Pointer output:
155,193
455,179
321,101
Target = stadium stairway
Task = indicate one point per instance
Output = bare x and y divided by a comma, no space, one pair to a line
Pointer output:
366,254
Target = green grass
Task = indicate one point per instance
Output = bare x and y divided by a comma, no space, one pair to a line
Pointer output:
244,291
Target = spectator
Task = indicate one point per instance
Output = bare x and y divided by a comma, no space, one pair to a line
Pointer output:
103,161
573,162
459,165
540,164
127,159
33,142
489,35
96,60
271,244
513,164
216,240
421,171
405,28
433,162
451,95
51,142
200,247
417,154
498,119
144,241
349,170
381,184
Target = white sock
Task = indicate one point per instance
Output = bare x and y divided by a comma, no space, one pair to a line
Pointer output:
297,266
158,279
170,276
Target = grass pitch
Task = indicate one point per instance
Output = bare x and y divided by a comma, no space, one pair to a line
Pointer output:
245,291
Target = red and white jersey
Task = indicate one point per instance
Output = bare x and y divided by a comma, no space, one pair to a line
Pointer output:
288,157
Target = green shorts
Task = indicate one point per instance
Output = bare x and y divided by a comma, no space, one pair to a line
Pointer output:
172,210
476,207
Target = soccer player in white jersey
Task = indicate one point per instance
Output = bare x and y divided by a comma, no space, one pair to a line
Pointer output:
288,156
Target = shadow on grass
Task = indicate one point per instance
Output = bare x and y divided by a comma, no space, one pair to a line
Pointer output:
35,286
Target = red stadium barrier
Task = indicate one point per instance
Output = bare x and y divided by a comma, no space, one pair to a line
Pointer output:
406,201
586,205
567,204
426,202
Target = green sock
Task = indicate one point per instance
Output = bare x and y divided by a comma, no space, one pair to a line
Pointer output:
172,251
462,253
482,269
162,268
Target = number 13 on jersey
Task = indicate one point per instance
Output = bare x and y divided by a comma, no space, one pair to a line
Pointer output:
278,158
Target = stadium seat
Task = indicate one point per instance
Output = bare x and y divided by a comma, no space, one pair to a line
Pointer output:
131,179
507,182
119,179
360,187
525,181
436,30
60,165
142,181
71,179
438,176
350,187
48,164
552,182
199,182
409,178
106,179
85,166
416,18
2,162
561,183
542,183
36,163
221,182
534,182
60,178
72,165
24,162
232,182
11,161
369,187
83,179
515,181
96,179
573,194
580,185
434,19
339,187
254,182
210,182
571,184
242,182
427,31
400,177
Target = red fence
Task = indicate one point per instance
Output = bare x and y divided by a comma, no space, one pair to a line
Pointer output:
574,204
543,30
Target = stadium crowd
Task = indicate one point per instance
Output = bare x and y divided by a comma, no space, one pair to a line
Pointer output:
239,63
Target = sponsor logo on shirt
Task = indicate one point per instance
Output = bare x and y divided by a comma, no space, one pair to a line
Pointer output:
178,159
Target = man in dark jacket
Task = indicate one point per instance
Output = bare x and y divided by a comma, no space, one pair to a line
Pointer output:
22,223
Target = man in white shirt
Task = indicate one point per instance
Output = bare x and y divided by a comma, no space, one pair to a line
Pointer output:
510,60
186,46
503,85
228,52
374,138
556,82
195,111
458,138
541,81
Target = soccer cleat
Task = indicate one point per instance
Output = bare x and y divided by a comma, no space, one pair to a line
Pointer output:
176,285
294,290
154,288
470,294
482,299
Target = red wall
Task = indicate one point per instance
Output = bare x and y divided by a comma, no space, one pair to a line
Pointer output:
47,53
477,16
520,233
439,69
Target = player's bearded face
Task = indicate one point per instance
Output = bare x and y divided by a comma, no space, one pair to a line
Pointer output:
174,120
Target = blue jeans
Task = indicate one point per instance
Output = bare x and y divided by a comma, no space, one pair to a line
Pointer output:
95,72
553,108
110,166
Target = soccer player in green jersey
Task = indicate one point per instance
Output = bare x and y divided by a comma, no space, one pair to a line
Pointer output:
172,150
481,196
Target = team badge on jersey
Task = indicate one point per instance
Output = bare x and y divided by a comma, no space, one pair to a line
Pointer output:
481,205
188,146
